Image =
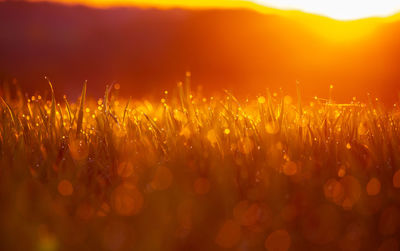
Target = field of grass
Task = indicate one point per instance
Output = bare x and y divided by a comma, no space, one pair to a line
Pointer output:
190,172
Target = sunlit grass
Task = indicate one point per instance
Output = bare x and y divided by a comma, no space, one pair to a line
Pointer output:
273,172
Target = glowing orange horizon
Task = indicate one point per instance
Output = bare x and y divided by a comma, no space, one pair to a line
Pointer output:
335,28
336,9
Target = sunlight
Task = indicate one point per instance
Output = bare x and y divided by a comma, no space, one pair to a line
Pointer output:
338,9
341,32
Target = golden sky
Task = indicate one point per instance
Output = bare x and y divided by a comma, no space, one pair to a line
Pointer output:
337,9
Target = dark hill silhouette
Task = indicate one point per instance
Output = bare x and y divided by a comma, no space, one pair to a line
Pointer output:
148,50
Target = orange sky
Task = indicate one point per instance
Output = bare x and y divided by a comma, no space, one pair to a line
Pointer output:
161,3
337,9
169,3
252,48
344,23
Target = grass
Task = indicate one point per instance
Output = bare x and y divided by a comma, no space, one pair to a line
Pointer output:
198,173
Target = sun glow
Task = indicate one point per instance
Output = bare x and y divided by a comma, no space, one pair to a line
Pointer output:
338,9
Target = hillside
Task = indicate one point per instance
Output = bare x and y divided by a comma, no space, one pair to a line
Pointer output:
149,49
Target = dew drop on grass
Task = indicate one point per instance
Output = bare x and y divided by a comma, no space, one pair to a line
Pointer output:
127,200
185,132
290,168
333,190
246,145
78,149
212,137
288,100
373,187
342,172
272,128
125,169
65,188
396,179
352,191
104,210
261,99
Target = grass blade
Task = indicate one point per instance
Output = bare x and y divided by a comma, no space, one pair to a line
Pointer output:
80,110
52,118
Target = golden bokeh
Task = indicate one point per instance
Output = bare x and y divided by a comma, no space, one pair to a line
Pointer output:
65,188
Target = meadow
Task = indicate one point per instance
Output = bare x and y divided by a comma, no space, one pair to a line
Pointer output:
195,172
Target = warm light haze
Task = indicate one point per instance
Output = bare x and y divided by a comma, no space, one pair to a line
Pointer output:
268,125
337,9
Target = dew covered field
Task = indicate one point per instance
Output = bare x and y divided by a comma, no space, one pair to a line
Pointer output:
195,172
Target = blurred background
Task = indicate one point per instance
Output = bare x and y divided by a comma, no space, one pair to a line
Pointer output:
148,50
